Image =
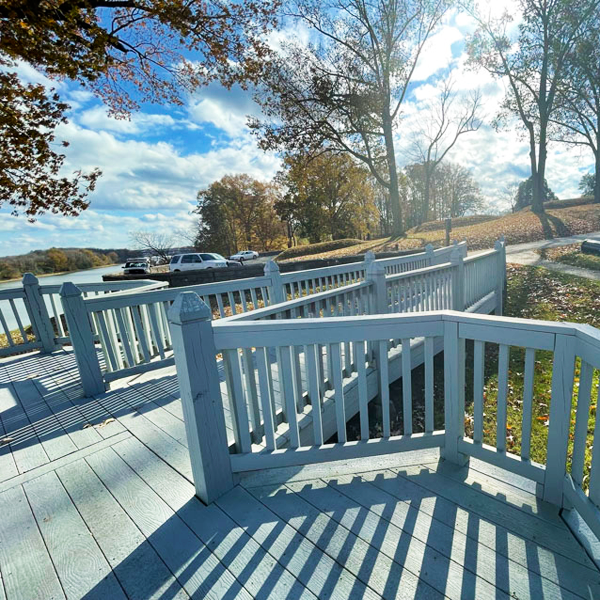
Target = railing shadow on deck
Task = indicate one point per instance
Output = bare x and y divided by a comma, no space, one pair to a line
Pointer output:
398,539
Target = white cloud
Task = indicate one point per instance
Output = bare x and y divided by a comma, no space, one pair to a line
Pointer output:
437,53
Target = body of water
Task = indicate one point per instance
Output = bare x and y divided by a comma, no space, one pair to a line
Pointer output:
87,276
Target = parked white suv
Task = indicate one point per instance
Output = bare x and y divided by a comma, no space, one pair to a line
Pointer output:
136,266
244,255
191,262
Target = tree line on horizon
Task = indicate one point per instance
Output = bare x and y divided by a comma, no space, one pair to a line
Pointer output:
343,95
58,260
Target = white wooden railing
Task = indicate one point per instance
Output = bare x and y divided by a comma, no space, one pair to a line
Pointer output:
264,440
25,312
130,326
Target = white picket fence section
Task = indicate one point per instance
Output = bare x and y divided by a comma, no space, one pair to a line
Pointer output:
268,423
303,283
134,338
32,316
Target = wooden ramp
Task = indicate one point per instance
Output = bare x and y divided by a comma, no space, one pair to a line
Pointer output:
97,502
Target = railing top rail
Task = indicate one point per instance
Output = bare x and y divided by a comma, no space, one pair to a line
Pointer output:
418,272
480,255
135,298
294,276
267,311
100,286
12,293
297,331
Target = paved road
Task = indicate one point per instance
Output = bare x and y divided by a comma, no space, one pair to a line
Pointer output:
525,254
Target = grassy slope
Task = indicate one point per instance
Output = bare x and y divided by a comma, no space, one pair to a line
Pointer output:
535,293
571,255
523,226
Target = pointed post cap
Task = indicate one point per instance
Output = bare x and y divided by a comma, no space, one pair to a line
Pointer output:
188,307
369,256
271,267
69,289
30,279
498,244
429,248
455,255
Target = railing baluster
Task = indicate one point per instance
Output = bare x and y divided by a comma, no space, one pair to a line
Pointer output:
502,398
286,383
338,388
6,329
581,421
266,401
124,335
478,365
237,402
18,319
527,403
251,394
594,489
384,385
313,379
429,385
406,387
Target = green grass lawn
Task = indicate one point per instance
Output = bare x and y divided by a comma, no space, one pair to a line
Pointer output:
572,255
535,293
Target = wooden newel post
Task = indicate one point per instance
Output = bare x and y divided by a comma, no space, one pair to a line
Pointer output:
458,279
376,274
454,410
195,361
500,275
430,255
563,371
38,313
276,288
82,339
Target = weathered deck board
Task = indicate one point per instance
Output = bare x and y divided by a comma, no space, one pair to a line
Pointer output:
79,562
496,510
474,556
136,565
26,449
316,570
27,569
200,573
415,528
371,565
254,568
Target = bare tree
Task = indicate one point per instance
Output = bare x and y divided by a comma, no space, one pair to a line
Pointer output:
157,244
447,117
578,113
532,59
344,93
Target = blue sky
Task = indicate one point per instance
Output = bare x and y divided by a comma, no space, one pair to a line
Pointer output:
155,163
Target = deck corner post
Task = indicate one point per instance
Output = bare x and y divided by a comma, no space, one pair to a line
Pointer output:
38,313
429,252
375,273
453,408
563,372
82,339
500,274
277,287
199,384
458,279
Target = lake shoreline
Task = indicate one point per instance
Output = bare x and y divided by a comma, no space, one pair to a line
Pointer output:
62,272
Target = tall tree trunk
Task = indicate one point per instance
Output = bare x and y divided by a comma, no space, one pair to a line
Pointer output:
397,225
539,191
597,173
536,205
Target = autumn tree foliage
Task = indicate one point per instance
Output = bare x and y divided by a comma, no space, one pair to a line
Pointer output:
128,52
30,167
238,213
329,197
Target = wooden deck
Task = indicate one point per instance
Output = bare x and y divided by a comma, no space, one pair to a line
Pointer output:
97,502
